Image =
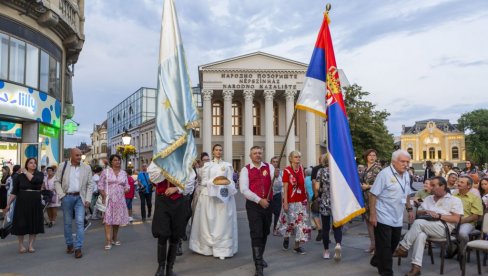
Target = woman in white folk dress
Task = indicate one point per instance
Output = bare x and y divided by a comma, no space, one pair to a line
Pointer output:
214,227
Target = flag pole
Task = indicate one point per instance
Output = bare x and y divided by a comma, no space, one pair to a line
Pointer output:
328,7
283,148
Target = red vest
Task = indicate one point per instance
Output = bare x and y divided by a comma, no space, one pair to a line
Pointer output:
260,181
161,189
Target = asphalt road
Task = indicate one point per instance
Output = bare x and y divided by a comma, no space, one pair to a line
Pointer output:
137,255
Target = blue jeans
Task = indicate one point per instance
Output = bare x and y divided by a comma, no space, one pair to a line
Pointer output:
69,204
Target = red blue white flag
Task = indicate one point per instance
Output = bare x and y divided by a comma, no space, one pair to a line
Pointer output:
323,90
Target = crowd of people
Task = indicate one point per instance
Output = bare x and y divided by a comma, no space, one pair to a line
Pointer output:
287,202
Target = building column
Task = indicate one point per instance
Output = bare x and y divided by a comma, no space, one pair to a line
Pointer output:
248,133
206,128
269,129
311,144
228,124
290,106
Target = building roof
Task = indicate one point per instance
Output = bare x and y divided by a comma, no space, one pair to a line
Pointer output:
442,124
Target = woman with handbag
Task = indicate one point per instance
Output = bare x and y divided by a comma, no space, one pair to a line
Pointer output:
28,218
294,217
322,189
113,185
53,205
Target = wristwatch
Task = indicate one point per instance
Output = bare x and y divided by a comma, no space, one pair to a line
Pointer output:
409,209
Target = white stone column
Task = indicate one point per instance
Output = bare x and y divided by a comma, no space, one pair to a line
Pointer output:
268,123
311,143
248,133
228,125
206,127
290,106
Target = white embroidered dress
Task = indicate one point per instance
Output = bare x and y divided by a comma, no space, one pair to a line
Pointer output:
214,229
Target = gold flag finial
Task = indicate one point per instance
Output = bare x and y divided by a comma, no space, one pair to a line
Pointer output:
328,7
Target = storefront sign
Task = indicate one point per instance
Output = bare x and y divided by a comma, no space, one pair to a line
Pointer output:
24,102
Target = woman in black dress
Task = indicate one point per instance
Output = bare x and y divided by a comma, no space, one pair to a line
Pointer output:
28,217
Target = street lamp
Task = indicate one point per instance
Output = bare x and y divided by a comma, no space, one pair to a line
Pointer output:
126,141
83,157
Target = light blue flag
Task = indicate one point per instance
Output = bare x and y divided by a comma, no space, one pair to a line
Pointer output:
175,149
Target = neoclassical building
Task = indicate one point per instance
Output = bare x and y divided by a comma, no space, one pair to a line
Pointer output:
434,140
249,100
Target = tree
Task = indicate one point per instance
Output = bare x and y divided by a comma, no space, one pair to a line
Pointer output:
368,129
475,126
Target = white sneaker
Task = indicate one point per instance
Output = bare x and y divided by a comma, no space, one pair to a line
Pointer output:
337,252
326,254
131,219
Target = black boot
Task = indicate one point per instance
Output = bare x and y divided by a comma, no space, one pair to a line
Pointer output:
265,264
161,257
148,212
170,261
179,250
258,260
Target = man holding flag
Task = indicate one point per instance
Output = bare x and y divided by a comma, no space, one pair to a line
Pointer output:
322,95
175,148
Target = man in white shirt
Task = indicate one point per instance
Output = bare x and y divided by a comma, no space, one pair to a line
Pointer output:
442,208
74,185
255,185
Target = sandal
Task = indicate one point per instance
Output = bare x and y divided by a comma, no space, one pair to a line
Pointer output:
22,250
31,250
117,243
108,247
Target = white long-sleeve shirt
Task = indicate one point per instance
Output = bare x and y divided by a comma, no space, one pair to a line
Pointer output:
156,176
244,181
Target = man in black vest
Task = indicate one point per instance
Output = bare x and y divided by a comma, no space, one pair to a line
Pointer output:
255,185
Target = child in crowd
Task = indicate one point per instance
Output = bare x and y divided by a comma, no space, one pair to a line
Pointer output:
421,194
484,191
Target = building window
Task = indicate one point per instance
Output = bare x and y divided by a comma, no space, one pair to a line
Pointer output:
410,151
217,118
425,154
455,153
17,60
431,153
141,141
44,72
256,118
3,56
439,154
32,66
196,132
276,121
54,78
236,118
151,139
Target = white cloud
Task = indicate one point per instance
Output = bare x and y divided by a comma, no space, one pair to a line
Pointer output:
418,58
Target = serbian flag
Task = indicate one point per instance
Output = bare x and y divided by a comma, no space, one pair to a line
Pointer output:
322,95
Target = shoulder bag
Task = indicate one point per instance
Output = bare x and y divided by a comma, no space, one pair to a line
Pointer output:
100,205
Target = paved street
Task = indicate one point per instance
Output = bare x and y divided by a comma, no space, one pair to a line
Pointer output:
137,255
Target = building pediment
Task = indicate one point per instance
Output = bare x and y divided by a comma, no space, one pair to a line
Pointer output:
255,61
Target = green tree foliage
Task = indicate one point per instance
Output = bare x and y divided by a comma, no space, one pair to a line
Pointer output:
475,126
367,124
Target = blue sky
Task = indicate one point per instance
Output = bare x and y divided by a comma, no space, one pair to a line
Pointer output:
418,59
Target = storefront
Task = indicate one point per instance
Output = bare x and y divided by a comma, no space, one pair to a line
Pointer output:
29,125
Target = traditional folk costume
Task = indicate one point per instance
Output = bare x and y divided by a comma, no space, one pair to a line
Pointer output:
255,184
170,218
214,226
